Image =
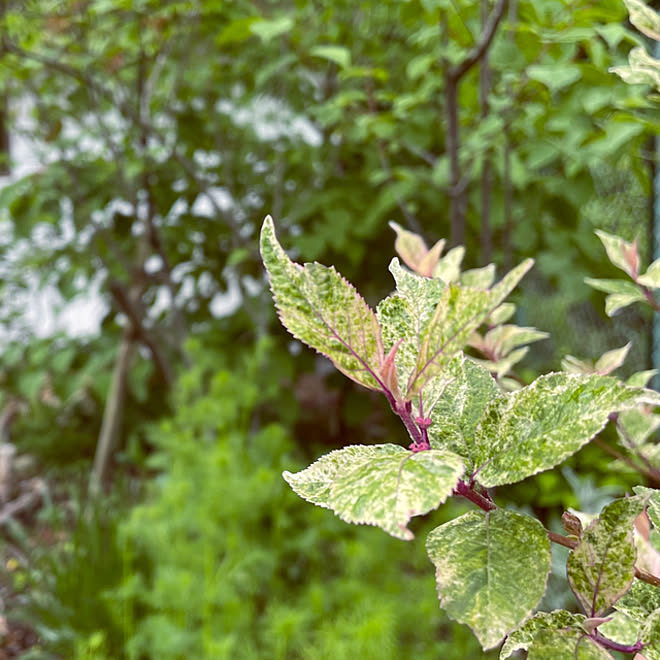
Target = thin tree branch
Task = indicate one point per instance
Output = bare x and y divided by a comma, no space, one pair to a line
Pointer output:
485,39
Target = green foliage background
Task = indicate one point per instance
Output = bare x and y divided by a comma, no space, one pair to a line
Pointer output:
331,116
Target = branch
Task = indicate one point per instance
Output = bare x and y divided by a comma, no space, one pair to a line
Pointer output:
131,310
482,45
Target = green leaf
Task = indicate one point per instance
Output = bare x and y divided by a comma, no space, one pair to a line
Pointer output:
640,601
523,638
267,30
651,277
541,425
555,76
617,301
456,408
602,567
645,19
621,287
621,628
448,268
338,54
479,278
566,645
475,557
324,311
405,315
381,485
460,311
611,360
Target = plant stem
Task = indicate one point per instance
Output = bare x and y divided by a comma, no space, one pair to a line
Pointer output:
614,646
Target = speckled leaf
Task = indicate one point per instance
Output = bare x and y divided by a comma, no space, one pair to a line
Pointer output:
448,269
522,639
475,557
479,278
621,628
459,312
601,568
650,636
406,314
641,600
456,407
539,426
324,311
566,645
381,485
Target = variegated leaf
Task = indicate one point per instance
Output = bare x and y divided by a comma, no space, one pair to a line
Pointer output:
475,557
539,426
405,315
640,601
566,645
456,405
523,638
459,312
320,308
381,485
645,19
602,566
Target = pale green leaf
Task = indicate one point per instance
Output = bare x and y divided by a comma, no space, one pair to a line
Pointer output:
456,408
521,639
475,557
611,360
340,55
645,19
621,287
448,269
621,253
617,301
602,567
641,378
621,628
324,311
479,278
566,645
541,425
651,277
270,29
381,485
555,76
501,314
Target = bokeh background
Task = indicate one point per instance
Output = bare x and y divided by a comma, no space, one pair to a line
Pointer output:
149,399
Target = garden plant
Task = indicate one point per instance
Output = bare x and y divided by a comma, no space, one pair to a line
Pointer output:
470,434
473,428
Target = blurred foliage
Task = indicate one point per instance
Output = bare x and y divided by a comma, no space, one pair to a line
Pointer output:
165,132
